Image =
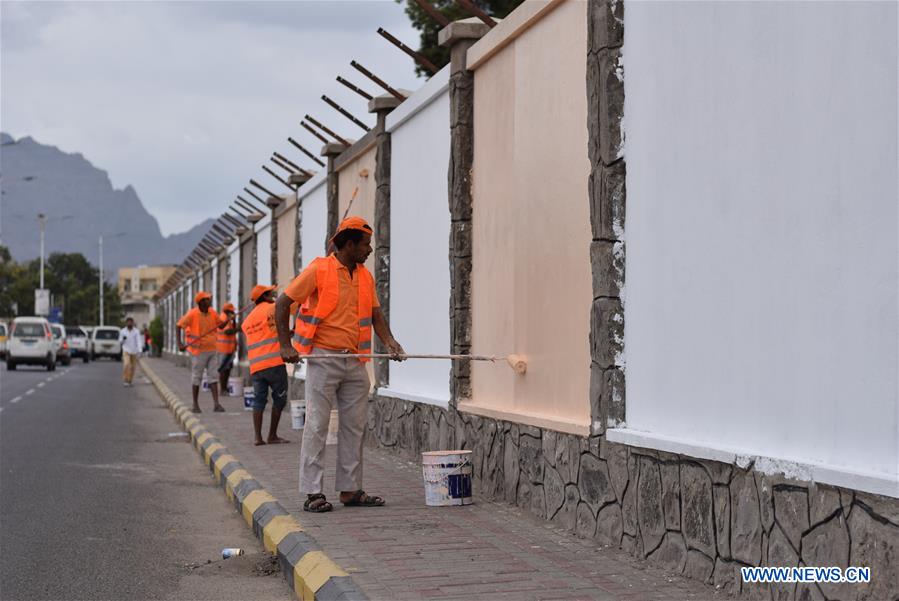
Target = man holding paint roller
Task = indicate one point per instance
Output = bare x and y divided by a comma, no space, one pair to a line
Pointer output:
200,325
338,307
266,366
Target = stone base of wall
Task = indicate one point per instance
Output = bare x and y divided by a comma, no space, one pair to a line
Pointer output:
703,519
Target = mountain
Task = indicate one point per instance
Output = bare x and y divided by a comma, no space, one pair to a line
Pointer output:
81,205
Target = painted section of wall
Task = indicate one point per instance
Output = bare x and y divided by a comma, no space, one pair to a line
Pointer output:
263,252
531,277
760,311
353,178
314,226
419,229
286,239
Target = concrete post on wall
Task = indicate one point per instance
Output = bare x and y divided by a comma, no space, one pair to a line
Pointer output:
298,179
459,36
273,202
331,151
381,106
605,108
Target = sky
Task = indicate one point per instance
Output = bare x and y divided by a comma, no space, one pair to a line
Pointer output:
187,100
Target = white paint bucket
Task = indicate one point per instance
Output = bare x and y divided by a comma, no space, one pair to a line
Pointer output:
447,477
204,385
248,398
235,386
333,427
298,414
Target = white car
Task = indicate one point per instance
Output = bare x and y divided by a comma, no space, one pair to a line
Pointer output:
30,341
105,343
79,342
61,344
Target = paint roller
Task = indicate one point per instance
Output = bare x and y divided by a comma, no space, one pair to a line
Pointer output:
518,363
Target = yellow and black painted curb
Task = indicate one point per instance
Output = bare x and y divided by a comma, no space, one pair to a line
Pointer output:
309,572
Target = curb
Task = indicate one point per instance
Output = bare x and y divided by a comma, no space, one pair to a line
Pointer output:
309,572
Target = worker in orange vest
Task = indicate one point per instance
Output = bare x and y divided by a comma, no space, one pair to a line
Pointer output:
226,345
266,366
200,325
338,307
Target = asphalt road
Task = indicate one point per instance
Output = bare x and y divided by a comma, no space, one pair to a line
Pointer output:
98,502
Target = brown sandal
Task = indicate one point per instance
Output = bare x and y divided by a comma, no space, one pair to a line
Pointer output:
317,504
360,499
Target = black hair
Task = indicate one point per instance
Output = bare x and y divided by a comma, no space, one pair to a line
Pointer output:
345,236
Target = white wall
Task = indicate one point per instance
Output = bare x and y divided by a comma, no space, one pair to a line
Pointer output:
761,293
314,205
263,252
215,285
419,233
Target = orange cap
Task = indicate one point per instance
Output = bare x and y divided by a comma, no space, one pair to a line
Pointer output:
353,222
259,290
201,295
228,307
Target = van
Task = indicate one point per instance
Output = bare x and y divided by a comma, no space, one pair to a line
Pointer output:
78,342
30,342
4,332
105,343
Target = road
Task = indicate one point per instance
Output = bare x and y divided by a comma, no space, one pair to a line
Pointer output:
97,501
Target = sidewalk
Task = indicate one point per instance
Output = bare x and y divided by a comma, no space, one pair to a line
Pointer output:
407,551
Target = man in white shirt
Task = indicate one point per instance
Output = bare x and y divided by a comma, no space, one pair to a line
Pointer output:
132,342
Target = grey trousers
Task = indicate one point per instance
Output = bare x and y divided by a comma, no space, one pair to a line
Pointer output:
329,381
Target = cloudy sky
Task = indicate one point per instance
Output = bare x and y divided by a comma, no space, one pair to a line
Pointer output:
186,100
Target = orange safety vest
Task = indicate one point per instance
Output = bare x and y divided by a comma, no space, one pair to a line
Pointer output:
326,282
192,333
226,343
263,350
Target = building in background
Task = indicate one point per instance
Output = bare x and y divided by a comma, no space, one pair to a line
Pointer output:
137,285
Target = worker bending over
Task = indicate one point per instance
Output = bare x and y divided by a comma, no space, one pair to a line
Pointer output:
200,325
266,366
338,308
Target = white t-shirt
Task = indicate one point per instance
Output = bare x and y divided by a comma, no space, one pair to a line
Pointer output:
132,341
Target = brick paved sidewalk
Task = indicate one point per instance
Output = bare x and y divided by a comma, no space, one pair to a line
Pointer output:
406,550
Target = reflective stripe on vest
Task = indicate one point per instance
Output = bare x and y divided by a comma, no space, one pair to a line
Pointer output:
265,357
327,285
226,343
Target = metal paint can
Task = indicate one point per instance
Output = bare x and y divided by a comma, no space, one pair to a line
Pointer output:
229,552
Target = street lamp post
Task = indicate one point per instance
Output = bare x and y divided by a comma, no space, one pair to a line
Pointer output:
42,219
101,279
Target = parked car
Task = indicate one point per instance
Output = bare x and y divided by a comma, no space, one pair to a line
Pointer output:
30,341
61,344
105,343
4,333
79,342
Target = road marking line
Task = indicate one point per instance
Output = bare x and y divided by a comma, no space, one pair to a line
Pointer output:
27,392
41,384
16,400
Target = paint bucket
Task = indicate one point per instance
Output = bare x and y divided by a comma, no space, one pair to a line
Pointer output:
298,414
229,552
333,426
447,477
248,398
235,386
204,385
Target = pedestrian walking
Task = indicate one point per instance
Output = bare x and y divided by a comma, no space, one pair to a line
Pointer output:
200,325
131,341
338,307
266,366
226,345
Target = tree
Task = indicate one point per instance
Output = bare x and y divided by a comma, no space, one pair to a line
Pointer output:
451,10
73,283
